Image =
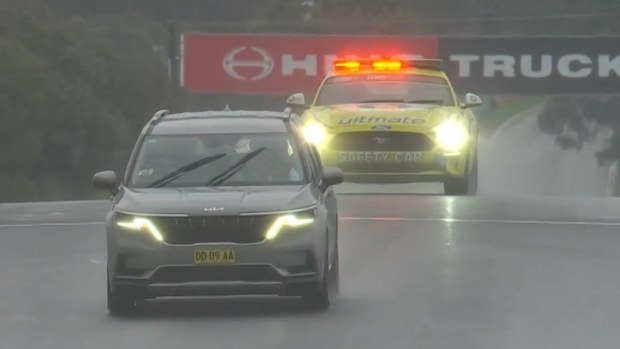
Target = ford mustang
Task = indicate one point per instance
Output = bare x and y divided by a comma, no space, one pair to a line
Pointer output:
393,121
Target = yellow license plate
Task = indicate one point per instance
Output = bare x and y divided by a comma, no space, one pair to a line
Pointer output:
214,256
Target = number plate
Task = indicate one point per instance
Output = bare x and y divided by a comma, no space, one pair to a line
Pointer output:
214,256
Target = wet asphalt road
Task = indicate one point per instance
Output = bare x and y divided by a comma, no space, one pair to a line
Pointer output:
417,272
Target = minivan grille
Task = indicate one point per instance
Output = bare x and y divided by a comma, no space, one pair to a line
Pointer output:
213,229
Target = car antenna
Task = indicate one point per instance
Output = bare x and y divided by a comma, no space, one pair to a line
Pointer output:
227,108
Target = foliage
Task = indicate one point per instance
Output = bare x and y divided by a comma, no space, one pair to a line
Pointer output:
369,16
575,120
74,95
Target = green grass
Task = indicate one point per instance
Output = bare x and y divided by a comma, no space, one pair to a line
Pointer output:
491,121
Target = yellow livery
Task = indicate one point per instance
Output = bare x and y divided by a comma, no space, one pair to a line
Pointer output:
393,121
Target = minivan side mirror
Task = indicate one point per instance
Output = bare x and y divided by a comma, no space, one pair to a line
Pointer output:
296,100
471,101
105,180
332,176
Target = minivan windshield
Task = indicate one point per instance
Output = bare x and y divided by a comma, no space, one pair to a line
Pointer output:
242,159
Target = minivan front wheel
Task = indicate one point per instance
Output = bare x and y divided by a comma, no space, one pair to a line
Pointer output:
120,303
320,297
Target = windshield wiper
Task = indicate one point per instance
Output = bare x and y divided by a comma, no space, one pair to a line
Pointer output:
384,101
414,101
183,170
232,170
426,101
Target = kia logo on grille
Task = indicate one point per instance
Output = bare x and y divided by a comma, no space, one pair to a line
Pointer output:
381,140
262,63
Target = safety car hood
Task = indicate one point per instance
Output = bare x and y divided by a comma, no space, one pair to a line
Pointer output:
210,201
382,114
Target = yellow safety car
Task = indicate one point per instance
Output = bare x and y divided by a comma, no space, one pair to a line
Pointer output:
393,121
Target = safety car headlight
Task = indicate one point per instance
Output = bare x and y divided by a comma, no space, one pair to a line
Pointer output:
314,133
451,136
292,220
141,225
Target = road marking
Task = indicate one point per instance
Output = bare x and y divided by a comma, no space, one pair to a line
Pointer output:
376,219
26,217
34,225
96,261
54,203
495,221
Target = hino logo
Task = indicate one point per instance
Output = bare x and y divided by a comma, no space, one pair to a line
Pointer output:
263,63
572,66
214,209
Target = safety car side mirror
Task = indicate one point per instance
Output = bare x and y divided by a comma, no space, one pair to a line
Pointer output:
471,101
297,100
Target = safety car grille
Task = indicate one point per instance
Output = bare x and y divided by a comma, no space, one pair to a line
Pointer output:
379,140
361,168
213,229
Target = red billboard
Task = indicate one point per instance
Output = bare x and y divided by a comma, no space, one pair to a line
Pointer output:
281,64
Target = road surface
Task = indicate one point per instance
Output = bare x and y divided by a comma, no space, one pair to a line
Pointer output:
417,272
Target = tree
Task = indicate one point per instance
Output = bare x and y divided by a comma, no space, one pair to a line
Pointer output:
75,94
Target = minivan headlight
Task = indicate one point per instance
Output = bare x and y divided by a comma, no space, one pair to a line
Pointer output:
284,221
141,224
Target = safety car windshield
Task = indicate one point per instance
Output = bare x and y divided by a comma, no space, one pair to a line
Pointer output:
405,88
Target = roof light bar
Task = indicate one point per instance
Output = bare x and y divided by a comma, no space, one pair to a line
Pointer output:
347,65
387,65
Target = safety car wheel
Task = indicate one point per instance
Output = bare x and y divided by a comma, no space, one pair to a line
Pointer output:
467,185
456,187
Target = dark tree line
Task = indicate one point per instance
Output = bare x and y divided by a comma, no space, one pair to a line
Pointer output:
73,94
576,120
402,16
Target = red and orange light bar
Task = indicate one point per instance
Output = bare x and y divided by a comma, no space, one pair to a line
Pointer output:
358,65
385,65
347,65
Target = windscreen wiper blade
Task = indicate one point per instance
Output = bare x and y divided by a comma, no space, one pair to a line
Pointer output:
384,101
232,170
187,168
426,101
